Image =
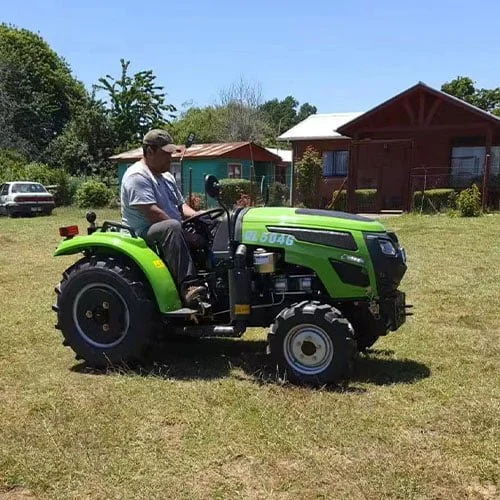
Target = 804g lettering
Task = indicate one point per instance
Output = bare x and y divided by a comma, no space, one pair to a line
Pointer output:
271,238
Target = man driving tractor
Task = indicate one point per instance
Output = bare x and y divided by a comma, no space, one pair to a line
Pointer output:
154,207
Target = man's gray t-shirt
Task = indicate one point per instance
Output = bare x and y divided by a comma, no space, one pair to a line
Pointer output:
141,187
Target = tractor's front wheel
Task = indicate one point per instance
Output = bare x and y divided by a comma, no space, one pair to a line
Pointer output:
312,343
105,311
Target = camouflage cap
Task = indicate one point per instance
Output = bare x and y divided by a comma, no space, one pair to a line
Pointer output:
161,139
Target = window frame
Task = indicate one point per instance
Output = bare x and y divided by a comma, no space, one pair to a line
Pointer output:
234,164
333,173
176,164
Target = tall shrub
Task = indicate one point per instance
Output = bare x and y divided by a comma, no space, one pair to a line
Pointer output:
93,194
309,175
233,189
278,195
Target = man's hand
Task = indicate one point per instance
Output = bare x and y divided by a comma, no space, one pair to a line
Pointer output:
153,213
188,212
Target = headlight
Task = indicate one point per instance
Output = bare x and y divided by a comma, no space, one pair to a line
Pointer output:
387,248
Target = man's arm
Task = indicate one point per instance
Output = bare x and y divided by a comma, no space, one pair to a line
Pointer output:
153,213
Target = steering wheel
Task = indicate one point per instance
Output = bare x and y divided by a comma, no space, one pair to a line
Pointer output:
199,227
210,216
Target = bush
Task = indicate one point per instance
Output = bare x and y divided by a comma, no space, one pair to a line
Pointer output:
233,189
93,194
434,199
10,163
365,200
197,201
279,194
469,202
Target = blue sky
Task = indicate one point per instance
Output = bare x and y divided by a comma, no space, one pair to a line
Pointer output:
339,55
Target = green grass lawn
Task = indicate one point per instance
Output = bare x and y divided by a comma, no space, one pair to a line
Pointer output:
419,420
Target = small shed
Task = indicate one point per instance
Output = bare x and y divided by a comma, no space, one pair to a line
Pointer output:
224,160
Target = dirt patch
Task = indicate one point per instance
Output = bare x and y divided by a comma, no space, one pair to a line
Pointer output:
5,239
15,493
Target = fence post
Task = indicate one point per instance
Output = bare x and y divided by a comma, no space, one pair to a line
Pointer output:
206,197
486,179
190,183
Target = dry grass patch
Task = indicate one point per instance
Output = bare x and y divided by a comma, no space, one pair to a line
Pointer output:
419,420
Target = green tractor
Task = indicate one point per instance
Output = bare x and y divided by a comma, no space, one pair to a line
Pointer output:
326,283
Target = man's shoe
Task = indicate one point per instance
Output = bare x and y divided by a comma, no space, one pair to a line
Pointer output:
193,295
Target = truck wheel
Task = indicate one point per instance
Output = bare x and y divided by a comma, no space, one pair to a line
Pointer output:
105,311
312,343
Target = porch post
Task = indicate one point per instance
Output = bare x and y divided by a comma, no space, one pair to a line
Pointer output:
352,175
486,169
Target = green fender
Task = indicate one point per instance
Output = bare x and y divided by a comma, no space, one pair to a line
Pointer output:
154,269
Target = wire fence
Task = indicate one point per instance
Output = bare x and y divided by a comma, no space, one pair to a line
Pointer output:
426,178
371,194
254,194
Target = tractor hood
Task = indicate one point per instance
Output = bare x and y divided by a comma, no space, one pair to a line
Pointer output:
310,218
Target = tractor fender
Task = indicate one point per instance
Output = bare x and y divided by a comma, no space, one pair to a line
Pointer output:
136,249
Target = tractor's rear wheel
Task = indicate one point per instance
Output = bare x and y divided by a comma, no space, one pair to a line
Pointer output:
312,343
105,311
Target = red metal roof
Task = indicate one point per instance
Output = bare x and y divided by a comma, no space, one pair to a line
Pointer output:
215,150
212,150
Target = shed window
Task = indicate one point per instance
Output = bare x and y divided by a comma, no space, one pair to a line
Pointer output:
175,170
335,163
234,170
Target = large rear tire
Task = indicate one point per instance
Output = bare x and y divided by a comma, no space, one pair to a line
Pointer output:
105,312
312,343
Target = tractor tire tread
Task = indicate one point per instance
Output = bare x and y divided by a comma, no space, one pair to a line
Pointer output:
142,303
336,326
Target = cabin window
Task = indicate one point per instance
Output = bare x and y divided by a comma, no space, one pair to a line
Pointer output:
495,161
335,163
234,170
467,164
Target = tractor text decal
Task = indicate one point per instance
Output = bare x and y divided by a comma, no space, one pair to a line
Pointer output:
272,238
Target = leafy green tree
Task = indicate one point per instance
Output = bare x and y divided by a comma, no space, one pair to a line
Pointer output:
37,88
86,142
306,110
206,123
136,104
283,115
309,175
465,88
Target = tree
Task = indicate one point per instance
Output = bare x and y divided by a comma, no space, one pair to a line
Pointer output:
306,110
136,104
283,115
242,115
464,88
37,87
206,123
9,138
309,174
86,142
